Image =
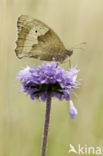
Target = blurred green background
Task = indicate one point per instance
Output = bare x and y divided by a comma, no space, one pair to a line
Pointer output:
21,120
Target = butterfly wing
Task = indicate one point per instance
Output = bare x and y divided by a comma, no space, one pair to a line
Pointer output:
36,39
29,30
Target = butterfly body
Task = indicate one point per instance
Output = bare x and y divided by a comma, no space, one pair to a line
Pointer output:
36,39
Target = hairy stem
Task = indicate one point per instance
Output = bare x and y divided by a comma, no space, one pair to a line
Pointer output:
46,125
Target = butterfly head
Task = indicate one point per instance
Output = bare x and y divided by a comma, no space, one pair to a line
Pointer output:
69,52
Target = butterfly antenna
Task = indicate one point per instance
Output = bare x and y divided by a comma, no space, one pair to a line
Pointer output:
77,46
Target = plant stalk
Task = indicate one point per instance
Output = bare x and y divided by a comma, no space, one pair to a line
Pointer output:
46,125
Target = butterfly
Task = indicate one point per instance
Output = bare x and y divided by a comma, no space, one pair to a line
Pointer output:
37,40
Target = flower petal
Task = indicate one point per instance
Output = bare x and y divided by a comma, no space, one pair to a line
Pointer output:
73,111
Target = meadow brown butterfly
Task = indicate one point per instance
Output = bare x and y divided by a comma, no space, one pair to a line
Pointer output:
37,40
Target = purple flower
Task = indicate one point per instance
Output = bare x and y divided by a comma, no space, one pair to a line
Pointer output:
37,81
73,110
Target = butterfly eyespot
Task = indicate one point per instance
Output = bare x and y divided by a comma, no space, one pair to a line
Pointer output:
36,31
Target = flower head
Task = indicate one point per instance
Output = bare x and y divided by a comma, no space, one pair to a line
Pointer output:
37,81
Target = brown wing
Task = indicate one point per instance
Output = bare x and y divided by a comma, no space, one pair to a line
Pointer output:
29,30
22,20
35,39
